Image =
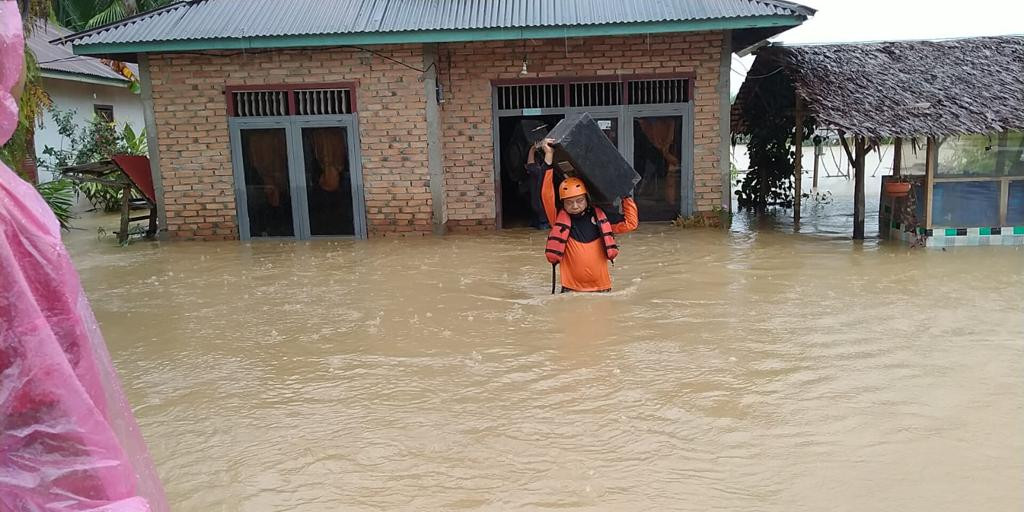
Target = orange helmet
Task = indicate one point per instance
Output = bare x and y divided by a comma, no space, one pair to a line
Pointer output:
571,187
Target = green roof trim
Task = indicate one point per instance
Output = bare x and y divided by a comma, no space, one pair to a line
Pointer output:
439,36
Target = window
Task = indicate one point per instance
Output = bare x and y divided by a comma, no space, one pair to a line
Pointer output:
104,112
514,97
572,93
286,100
991,154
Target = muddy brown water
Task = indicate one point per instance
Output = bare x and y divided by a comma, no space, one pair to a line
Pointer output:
743,370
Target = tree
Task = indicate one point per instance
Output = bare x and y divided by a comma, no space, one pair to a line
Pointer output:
85,14
76,15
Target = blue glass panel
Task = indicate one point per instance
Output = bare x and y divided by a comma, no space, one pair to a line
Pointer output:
965,204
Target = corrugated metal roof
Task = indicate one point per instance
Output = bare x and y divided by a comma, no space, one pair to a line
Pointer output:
227,19
58,57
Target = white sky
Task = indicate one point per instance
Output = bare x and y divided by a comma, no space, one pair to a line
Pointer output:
879,20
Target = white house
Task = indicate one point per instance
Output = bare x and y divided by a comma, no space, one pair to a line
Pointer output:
80,84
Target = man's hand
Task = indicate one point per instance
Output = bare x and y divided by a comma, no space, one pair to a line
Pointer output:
546,146
549,150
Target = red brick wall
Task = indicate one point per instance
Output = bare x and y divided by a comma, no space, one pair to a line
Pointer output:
468,68
191,116
195,162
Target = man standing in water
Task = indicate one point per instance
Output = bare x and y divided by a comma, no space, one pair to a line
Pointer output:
582,236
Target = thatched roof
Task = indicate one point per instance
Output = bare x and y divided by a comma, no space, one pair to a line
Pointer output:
905,88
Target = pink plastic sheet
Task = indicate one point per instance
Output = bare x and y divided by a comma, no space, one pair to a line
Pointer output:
68,440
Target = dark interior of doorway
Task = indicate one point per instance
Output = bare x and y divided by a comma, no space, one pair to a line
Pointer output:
657,158
328,181
519,197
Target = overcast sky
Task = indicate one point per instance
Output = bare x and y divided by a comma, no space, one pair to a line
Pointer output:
880,20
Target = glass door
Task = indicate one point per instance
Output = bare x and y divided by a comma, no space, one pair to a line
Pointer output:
331,186
660,155
263,181
297,178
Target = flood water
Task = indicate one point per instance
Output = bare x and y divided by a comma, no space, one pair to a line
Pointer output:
752,369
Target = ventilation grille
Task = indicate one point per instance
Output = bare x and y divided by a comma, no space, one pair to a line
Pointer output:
261,103
648,92
515,97
321,102
595,94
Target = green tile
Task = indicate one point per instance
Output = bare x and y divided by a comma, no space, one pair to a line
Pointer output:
950,231
985,231
1018,230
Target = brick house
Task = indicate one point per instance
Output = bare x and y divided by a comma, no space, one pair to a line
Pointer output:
321,118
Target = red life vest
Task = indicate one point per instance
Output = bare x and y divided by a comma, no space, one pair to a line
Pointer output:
559,236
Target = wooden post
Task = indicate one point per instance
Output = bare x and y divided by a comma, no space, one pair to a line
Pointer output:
798,141
1004,200
1002,146
858,187
126,211
152,229
817,156
897,157
930,154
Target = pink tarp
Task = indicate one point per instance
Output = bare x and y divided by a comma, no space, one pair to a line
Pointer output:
68,441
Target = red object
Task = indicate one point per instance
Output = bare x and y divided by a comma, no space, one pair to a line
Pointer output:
896,188
137,169
559,236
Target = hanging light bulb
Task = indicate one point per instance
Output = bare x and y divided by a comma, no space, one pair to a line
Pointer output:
523,72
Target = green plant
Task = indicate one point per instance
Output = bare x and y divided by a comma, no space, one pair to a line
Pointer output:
133,143
718,217
60,195
83,14
97,140
31,104
770,124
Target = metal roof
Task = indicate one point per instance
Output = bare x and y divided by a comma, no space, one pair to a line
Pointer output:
193,20
59,58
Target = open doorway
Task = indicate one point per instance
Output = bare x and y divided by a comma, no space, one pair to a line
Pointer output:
517,194
658,159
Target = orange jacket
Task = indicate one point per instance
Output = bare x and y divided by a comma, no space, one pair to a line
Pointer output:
584,265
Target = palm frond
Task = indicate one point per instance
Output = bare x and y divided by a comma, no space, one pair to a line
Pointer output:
114,12
60,195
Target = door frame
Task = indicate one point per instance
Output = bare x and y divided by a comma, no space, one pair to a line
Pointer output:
349,122
624,113
296,170
617,112
684,111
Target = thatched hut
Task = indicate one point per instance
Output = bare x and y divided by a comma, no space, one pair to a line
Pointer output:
961,100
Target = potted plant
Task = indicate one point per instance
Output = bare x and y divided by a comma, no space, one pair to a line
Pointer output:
898,187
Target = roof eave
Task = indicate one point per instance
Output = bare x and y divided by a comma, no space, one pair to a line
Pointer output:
438,36
82,78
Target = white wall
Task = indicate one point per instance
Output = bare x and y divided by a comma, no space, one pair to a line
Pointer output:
80,97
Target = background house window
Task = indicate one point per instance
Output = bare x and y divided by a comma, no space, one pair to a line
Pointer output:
105,112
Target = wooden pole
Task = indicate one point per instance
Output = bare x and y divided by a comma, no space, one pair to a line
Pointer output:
931,152
126,205
897,157
1002,147
798,141
817,156
858,187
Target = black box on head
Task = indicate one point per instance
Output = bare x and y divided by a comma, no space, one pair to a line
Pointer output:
533,131
581,143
